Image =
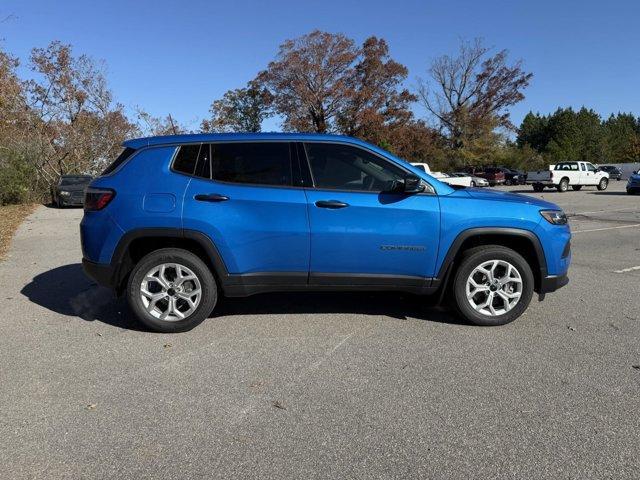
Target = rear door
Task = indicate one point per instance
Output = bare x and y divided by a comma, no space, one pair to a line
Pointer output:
244,198
359,233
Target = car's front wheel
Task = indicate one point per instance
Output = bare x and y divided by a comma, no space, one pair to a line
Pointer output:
493,285
171,290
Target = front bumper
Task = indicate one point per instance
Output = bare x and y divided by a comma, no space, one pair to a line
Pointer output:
103,274
633,189
551,283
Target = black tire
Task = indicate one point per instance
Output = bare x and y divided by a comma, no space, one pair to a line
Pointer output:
576,187
475,257
473,184
563,186
603,184
537,187
507,183
209,296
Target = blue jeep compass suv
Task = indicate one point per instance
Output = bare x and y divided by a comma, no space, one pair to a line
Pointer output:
177,221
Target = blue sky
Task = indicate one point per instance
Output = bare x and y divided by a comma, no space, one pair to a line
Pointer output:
176,57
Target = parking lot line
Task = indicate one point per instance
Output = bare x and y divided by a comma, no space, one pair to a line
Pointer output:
607,228
607,211
625,270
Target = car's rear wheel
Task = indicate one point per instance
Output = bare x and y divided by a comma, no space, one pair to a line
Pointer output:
563,186
537,187
576,187
493,285
603,184
171,290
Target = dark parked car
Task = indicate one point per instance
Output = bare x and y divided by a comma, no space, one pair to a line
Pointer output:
69,191
513,177
493,175
614,172
633,184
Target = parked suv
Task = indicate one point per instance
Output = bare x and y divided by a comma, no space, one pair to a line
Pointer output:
177,221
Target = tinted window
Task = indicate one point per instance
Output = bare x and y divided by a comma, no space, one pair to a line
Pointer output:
186,159
344,167
124,155
253,163
567,166
204,162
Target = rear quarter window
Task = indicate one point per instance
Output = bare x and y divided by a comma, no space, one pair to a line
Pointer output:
123,157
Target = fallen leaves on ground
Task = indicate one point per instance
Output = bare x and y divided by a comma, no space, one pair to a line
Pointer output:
11,216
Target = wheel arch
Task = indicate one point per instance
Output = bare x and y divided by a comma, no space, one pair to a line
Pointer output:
524,242
135,244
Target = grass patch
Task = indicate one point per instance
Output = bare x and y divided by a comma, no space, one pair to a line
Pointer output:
11,216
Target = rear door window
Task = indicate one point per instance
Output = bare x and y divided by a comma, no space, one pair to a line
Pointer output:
254,163
186,159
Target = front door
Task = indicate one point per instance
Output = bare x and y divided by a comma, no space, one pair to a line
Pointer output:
242,196
360,233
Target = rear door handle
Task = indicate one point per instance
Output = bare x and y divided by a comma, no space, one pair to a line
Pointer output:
211,197
332,204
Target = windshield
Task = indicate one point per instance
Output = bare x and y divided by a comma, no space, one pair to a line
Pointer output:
67,181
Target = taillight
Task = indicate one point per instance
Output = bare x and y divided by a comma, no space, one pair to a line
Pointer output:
97,198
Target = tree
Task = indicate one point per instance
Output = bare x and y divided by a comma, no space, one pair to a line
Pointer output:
76,126
13,106
622,138
149,125
309,80
375,100
240,110
470,92
534,131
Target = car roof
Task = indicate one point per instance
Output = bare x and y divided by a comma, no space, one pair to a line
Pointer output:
234,137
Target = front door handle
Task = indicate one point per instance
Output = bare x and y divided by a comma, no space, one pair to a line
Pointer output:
332,204
211,197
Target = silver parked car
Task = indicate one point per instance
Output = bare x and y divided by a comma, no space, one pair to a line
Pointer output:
475,181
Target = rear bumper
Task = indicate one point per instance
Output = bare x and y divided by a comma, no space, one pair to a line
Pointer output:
551,283
103,274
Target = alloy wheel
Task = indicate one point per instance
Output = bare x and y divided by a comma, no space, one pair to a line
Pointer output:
494,287
170,292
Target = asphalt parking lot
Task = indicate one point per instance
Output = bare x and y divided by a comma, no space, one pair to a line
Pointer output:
324,385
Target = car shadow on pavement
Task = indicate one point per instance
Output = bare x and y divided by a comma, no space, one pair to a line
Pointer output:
67,291
395,305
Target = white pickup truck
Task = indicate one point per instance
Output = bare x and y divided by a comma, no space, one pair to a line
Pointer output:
568,174
443,177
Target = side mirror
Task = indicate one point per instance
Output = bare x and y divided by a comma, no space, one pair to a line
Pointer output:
413,184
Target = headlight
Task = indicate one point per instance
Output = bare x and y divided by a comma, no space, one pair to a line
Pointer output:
557,217
65,193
